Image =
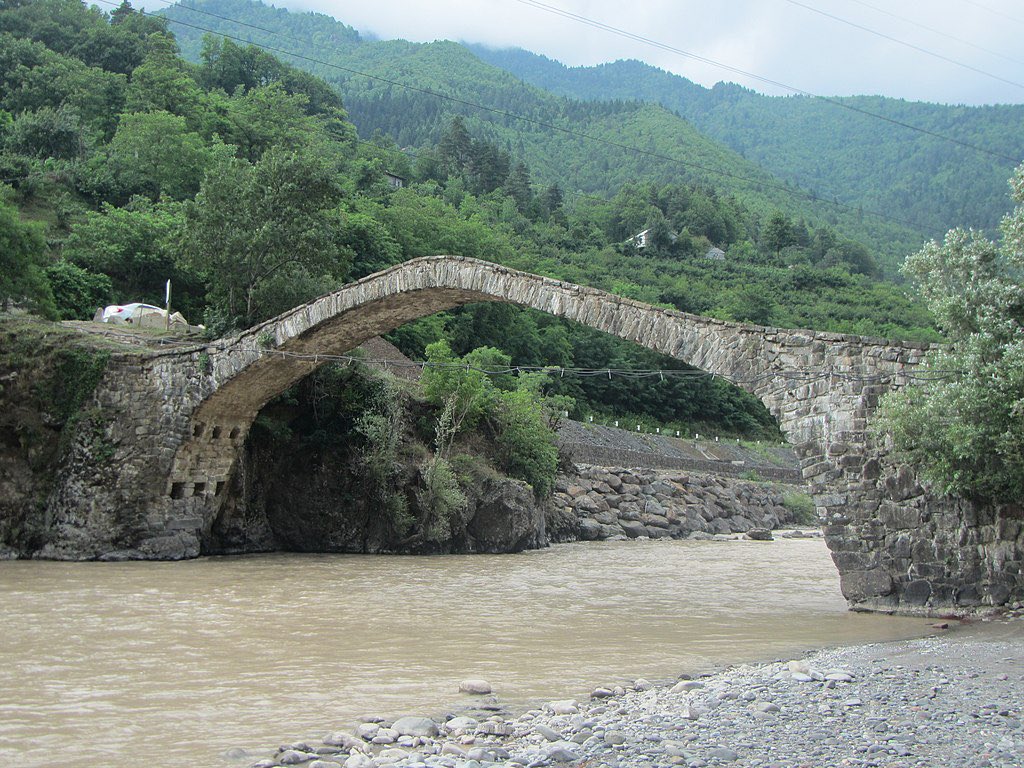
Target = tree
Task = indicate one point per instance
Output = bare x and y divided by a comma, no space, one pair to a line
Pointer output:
22,256
251,225
154,153
76,291
163,82
965,430
134,246
778,233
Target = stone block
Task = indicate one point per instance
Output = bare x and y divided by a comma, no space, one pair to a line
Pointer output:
858,585
899,516
916,593
633,528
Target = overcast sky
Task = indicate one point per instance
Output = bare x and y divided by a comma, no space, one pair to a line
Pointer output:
781,40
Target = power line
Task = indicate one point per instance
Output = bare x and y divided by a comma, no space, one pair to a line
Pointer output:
994,11
761,183
760,78
794,375
939,32
904,43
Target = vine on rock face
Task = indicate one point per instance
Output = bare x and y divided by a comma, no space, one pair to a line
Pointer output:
383,427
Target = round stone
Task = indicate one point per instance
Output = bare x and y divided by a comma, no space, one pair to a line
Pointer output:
476,687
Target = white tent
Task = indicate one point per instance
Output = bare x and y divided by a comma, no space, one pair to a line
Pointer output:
142,316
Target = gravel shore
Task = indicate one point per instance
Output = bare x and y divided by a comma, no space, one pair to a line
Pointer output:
953,699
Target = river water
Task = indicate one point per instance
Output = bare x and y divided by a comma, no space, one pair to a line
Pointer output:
170,664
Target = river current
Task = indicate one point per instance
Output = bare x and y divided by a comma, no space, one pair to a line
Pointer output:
170,664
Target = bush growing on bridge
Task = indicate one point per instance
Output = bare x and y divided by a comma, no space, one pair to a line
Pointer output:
965,431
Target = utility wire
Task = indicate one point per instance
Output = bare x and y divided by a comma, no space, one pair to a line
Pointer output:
802,375
805,194
761,183
904,43
939,32
760,78
994,11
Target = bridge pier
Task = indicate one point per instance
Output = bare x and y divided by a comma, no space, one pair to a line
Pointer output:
177,421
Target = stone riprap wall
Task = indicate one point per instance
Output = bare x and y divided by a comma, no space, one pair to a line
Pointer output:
176,423
614,502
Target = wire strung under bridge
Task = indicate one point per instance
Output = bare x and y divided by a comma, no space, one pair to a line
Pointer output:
801,375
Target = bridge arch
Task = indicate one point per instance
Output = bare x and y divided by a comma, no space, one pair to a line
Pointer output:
247,371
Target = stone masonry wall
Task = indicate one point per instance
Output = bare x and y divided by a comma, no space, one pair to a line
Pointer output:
613,502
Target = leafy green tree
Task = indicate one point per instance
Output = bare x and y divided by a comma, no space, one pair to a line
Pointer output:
134,246
22,261
965,431
163,82
251,224
77,292
47,133
155,154
32,76
778,233
267,117
457,385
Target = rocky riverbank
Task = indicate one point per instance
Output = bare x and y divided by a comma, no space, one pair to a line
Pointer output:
945,700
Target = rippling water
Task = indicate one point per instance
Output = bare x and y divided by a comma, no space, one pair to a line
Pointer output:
166,664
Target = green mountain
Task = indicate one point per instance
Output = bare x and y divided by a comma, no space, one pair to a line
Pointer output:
242,181
410,92
833,146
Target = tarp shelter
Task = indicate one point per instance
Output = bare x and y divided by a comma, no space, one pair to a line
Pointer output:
142,316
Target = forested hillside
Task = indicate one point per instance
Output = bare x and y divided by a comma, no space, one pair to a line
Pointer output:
390,87
241,179
832,150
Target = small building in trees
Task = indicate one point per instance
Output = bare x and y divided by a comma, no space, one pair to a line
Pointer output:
642,239
715,254
396,181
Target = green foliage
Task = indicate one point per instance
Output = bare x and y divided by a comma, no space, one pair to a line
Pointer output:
441,500
252,226
134,246
474,389
965,430
155,154
77,292
76,373
845,154
458,386
801,507
382,427
525,440
22,260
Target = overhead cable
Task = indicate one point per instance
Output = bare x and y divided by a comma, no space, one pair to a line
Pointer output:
760,78
796,375
904,43
797,193
939,32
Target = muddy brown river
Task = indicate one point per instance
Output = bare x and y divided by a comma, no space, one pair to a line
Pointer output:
170,664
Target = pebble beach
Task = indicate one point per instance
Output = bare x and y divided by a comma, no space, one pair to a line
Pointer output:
953,698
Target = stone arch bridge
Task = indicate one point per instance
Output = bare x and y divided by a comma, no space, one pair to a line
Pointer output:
179,420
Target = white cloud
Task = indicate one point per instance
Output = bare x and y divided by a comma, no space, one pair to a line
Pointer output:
776,39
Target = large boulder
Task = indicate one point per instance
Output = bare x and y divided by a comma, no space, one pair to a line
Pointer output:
505,517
